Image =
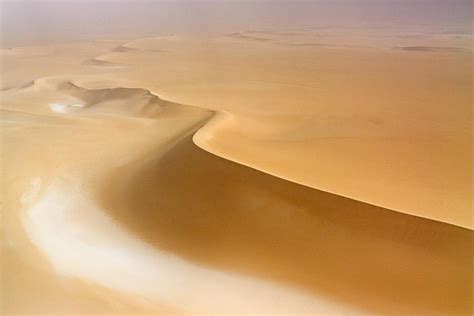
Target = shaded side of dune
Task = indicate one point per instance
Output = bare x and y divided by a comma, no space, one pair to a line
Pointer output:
231,217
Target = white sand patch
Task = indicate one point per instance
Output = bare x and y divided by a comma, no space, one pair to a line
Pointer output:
65,108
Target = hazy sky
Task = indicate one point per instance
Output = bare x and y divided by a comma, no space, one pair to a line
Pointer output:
29,20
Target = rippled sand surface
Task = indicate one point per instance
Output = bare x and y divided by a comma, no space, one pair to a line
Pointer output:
310,170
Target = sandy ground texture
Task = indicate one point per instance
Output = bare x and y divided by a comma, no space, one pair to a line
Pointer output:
259,171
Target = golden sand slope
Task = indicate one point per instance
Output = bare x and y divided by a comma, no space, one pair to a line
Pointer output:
388,126
62,217
211,210
75,149
380,125
109,206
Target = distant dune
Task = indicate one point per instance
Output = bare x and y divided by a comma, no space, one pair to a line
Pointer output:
431,49
101,63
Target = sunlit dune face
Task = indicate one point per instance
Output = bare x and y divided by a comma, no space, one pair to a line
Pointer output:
236,157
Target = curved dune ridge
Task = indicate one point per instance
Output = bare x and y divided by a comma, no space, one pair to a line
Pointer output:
80,240
329,245
131,203
377,142
174,225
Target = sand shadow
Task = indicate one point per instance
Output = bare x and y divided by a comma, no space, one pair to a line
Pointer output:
231,217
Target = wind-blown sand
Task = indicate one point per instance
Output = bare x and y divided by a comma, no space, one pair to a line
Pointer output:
186,174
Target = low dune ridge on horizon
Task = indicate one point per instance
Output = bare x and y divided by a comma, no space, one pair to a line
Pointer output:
236,158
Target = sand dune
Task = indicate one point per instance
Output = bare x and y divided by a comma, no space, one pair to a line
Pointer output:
101,63
321,168
63,221
386,128
71,148
135,268
310,250
247,37
124,48
336,247
430,49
